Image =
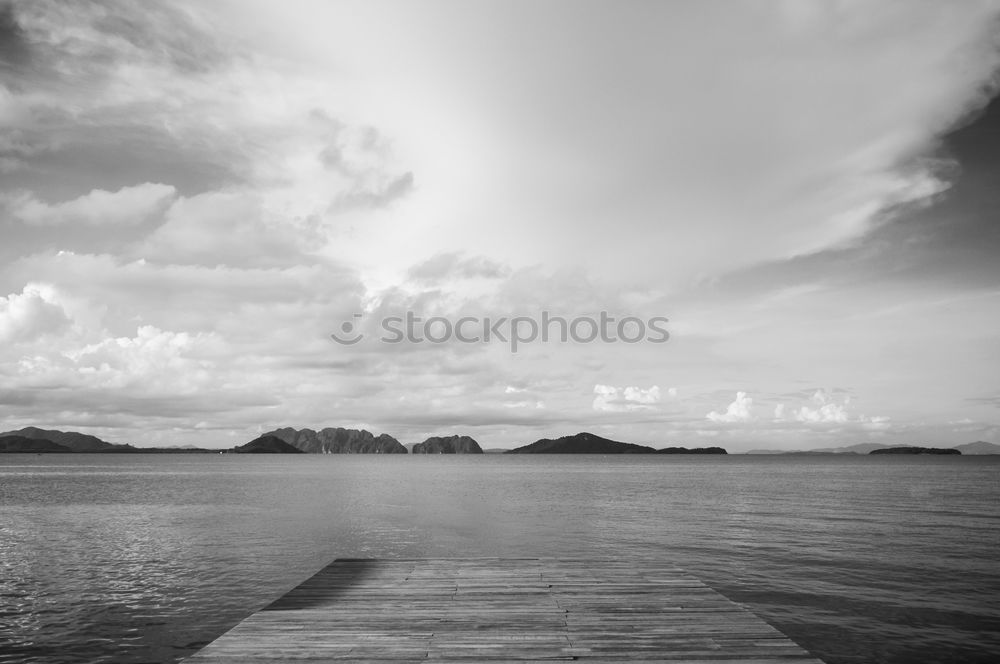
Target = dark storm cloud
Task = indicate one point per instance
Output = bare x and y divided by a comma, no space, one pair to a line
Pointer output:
952,240
101,76
14,49
87,39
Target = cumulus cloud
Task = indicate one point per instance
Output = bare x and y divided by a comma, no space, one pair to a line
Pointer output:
33,312
525,404
152,359
829,409
127,206
625,399
740,410
825,410
876,422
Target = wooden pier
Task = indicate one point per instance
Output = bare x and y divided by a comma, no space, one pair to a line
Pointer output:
502,609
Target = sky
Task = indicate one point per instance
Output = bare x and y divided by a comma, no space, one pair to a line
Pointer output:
194,196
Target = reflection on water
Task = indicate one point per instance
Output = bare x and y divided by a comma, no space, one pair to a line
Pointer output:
125,559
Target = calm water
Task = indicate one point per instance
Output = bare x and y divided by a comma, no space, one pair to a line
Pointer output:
146,558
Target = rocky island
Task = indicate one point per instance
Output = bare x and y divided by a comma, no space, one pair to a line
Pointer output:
448,445
339,441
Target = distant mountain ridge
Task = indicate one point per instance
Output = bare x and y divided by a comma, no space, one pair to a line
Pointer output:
339,441
977,448
72,440
859,448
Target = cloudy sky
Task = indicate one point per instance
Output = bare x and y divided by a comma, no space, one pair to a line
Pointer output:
195,195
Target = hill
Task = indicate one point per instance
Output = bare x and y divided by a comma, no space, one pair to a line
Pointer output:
267,445
581,443
14,444
74,441
447,445
979,447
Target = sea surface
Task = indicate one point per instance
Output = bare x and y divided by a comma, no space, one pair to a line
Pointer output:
143,558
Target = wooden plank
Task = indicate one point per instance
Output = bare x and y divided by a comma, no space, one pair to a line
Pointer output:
502,609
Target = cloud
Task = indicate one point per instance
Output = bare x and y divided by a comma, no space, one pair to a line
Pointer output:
740,410
825,412
34,312
625,399
14,49
169,94
229,228
153,359
646,124
360,155
82,68
875,423
127,206
452,266
373,192
524,404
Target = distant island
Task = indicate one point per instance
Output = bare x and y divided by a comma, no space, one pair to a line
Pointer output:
692,450
447,445
588,443
909,449
33,439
